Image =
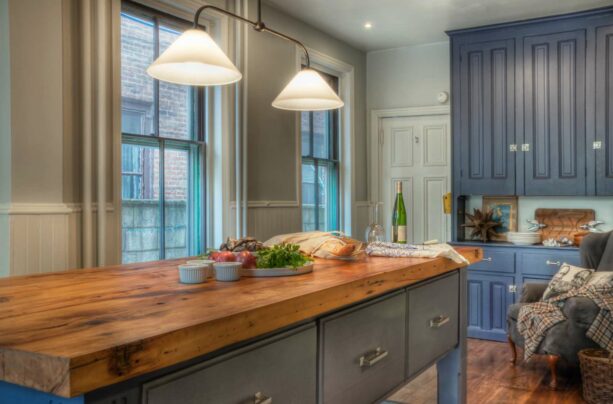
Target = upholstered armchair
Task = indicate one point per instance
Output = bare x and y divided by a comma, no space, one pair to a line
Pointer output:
567,338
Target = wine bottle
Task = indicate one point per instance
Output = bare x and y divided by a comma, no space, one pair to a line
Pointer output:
399,217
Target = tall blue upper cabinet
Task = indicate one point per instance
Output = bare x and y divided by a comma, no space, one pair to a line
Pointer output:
532,106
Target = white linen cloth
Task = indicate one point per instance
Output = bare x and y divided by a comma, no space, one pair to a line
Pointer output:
383,249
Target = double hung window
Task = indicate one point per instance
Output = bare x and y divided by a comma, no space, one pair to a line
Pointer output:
320,166
163,143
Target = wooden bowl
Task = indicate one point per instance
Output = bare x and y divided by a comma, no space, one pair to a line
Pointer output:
578,237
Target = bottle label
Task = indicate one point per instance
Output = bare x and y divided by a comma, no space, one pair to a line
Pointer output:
401,235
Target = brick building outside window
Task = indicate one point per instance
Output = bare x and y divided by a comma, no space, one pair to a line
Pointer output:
162,146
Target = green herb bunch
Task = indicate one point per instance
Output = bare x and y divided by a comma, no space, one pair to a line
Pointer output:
282,256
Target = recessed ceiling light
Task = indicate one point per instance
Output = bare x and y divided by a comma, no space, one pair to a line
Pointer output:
368,25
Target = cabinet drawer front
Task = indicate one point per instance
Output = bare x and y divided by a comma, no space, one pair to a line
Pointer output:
496,260
282,367
547,263
433,321
352,370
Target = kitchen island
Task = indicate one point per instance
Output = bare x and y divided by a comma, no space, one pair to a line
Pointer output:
133,333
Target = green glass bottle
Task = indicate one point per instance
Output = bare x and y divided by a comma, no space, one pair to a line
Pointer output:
399,217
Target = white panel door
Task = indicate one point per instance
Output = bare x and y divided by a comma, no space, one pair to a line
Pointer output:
416,151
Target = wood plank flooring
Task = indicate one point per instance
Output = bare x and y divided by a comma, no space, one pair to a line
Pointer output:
493,380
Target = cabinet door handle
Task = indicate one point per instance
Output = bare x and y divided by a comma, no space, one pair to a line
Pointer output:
371,358
439,321
260,398
554,263
488,259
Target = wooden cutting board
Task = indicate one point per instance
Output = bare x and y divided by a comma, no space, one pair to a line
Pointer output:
563,222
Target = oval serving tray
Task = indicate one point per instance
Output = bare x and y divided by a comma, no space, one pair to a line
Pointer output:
267,272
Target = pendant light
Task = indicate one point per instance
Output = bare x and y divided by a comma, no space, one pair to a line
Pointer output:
195,59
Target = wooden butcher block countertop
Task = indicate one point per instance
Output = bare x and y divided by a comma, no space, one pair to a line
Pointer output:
69,333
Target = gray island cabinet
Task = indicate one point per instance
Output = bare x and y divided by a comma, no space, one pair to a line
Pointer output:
389,320
365,352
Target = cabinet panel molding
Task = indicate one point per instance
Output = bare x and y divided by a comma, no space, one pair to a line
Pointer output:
604,110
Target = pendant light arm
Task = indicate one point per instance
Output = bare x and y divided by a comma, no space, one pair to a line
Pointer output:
258,26
289,38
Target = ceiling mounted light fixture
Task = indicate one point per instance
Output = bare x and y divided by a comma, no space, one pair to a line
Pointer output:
368,25
195,59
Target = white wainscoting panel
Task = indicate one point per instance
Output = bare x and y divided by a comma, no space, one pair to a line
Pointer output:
39,243
49,239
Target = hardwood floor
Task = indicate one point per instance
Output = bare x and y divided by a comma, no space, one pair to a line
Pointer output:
492,379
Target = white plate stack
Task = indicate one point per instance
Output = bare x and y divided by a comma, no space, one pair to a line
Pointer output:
523,238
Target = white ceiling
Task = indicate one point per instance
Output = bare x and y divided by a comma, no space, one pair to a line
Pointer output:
410,22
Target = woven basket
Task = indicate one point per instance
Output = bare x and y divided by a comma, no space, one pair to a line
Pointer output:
597,375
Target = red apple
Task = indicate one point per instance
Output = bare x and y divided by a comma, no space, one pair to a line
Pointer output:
248,259
223,256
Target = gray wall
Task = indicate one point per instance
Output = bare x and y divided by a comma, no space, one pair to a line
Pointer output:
407,77
36,109
5,104
271,132
5,135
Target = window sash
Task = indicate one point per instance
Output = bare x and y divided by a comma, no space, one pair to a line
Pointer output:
195,145
330,162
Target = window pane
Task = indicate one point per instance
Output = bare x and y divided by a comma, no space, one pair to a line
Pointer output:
176,111
176,186
321,134
322,194
329,175
305,131
140,212
137,53
308,197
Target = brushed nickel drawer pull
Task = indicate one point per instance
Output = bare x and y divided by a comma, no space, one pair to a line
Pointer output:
371,358
555,263
439,321
488,259
261,399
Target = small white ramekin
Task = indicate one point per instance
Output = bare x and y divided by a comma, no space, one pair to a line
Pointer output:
227,271
210,272
191,273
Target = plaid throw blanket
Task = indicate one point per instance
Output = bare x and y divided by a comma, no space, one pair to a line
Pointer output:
536,318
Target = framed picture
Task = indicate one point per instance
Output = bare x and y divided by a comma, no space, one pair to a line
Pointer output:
505,211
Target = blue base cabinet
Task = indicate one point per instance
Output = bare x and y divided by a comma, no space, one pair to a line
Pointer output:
496,282
489,296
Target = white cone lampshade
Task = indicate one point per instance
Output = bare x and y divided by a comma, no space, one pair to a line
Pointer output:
194,59
307,91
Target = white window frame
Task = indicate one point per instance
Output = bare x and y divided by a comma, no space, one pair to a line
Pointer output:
220,121
346,141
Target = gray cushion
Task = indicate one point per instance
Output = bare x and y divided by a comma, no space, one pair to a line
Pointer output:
597,251
532,292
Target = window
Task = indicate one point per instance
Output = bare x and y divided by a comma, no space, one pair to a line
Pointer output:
320,173
162,146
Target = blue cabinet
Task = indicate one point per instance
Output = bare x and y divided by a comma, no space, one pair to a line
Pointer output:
489,297
603,146
532,106
487,105
496,282
554,105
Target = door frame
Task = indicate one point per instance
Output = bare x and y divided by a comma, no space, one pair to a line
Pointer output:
376,135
